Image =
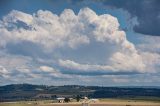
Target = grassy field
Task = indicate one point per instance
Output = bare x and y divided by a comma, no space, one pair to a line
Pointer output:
102,102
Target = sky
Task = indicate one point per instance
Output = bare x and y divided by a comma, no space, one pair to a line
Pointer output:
80,42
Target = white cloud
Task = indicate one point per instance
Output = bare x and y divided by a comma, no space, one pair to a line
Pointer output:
149,43
152,61
47,69
15,16
69,30
119,62
51,71
83,67
4,72
13,62
149,50
128,62
69,39
44,28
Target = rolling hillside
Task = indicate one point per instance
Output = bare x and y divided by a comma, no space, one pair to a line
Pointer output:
16,92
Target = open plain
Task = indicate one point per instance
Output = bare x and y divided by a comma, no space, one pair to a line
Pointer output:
103,102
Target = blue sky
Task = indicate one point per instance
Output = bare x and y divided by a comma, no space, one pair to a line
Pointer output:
82,42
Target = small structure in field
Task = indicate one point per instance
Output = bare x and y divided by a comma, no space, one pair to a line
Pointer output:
85,99
93,100
60,100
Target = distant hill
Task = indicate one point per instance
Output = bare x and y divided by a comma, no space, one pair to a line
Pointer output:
17,92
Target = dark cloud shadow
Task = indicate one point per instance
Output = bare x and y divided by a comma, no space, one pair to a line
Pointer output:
146,11
26,48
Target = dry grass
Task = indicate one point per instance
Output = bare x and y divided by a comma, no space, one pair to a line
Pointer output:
103,102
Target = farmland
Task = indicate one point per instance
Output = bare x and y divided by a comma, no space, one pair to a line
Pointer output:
102,102
41,95
28,92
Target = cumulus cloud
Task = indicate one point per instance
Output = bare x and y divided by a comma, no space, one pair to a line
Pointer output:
21,69
51,71
150,49
119,62
3,72
83,67
149,44
143,10
152,60
69,30
66,41
14,62
129,62
15,16
50,30
43,28
13,66
47,69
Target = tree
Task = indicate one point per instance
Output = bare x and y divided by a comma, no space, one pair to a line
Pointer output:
67,100
78,98
54,96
